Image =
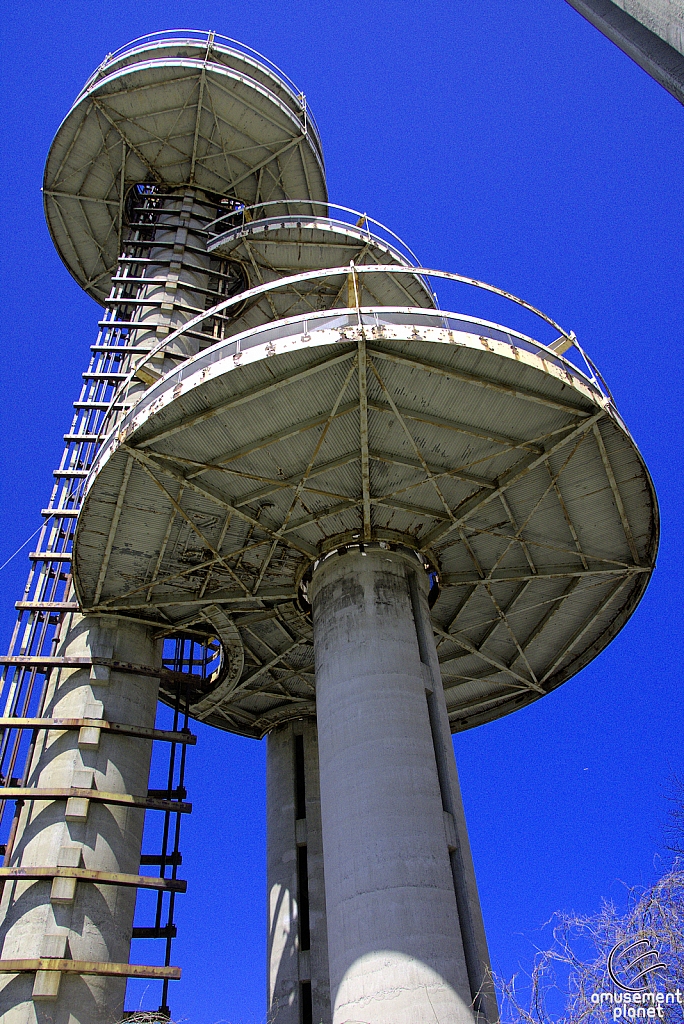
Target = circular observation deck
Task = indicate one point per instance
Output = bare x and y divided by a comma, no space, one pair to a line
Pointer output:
280,239
193,43
175,110
504,466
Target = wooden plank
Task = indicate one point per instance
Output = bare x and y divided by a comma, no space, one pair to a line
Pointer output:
66,724
118,799
50,556
100,877
46,661
89,967
46,606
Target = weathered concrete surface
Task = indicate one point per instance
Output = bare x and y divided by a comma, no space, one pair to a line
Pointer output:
463,872
395,938
651,32
85,921
291,826
665,18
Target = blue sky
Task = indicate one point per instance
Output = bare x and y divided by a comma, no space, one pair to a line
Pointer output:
503,139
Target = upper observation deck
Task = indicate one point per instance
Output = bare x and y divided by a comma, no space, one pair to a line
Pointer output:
193,43
179,110
497,459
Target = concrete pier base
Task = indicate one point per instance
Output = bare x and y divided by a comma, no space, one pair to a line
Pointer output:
298,976
64,918
405,940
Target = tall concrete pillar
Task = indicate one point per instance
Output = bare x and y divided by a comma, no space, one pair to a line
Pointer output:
298,974
404,943
63,918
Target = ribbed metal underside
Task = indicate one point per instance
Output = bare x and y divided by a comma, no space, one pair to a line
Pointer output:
512,473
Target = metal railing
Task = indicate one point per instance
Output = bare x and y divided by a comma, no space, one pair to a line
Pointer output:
592,378
211,40
298,209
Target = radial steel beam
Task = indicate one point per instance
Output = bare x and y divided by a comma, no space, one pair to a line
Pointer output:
205,492
518,532
582,631
363,432
302,482
129,145
236,598
560,548
616,493
566,516
475,381
489,658
511,478
112,529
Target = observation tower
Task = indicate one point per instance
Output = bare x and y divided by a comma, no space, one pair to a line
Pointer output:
298,501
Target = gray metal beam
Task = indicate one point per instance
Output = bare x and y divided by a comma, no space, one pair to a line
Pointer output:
649,31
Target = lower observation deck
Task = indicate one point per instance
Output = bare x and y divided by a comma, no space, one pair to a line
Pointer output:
501,463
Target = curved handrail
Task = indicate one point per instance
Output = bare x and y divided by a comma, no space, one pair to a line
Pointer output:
202,36
370,316
312,275
311,221
364,217
311,323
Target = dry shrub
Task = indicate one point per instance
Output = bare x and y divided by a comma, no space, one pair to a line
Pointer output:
580,950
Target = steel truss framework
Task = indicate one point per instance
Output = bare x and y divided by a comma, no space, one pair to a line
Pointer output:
529,590
366,461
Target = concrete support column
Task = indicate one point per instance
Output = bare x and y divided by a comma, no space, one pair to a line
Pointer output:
175,279
298,975
475,948
64,918
395,935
